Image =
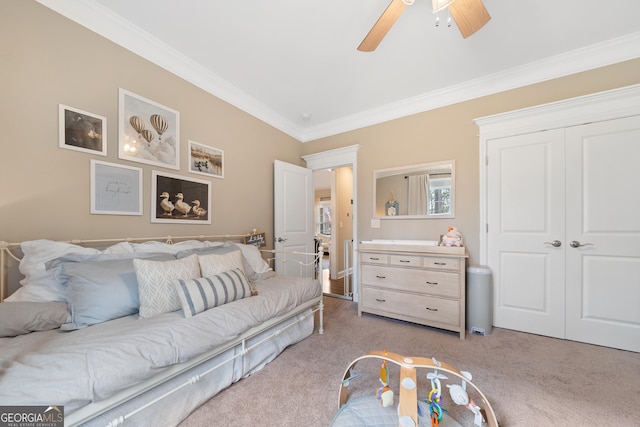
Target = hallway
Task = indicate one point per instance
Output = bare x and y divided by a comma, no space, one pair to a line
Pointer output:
334,287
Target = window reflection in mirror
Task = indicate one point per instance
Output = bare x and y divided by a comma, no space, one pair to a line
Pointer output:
324,218
417,191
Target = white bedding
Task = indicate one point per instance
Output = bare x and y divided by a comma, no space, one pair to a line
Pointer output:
91,364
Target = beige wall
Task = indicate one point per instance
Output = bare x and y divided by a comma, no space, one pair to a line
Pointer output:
45,193
449,133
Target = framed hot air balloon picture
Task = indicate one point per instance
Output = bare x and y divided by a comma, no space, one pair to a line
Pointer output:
148,132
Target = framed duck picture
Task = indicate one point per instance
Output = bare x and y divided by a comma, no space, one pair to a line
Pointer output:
180,199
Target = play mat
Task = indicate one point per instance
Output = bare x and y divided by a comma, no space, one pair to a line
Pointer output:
449,401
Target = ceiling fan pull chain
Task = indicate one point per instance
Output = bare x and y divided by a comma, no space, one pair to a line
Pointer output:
448,18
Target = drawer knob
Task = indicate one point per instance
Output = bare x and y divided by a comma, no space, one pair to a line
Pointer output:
404,260
440,263
374,259
431,283
431,309
381,300
381,277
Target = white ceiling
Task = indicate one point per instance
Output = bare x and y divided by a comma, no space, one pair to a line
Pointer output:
280,60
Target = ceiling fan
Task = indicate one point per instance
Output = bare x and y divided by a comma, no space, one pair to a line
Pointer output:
470,16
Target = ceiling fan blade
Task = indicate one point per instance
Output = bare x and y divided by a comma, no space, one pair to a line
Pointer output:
470,15
382,26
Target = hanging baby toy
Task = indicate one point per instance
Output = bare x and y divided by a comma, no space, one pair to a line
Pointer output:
385,394
460,396
435,394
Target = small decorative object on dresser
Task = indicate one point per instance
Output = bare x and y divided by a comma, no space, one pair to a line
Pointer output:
414,285
452,238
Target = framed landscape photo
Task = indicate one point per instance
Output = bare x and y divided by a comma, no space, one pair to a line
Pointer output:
115,189
180,199
206,160
148,132
82,131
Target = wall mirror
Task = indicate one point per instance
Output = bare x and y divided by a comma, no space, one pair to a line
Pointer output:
417,191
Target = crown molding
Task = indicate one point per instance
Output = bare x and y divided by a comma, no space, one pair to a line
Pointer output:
579,60
104,22
97,18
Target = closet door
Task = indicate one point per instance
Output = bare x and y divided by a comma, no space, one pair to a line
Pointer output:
526,215
603,215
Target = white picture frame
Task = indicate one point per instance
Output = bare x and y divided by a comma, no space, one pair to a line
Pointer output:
206,160
115,189
81,130
148,132
196,193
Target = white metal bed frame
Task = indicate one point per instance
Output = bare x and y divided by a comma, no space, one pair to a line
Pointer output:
95,409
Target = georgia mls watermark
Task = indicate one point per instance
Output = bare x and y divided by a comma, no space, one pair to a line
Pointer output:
31,416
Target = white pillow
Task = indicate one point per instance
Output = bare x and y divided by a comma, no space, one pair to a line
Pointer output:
254,257
212,264
38,284
155,291
198,295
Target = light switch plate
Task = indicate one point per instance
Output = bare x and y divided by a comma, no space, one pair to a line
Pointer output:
375,223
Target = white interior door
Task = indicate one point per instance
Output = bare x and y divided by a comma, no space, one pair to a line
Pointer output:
526,214
603,215
293,217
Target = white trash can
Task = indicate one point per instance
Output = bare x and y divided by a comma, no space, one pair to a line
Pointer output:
479,300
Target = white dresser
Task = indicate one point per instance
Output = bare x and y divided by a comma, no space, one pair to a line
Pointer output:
419,287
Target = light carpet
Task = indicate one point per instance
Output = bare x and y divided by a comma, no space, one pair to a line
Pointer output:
529,380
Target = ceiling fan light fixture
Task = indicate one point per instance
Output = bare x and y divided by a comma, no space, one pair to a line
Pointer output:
438,5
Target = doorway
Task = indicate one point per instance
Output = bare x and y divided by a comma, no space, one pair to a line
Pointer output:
339,167
333,226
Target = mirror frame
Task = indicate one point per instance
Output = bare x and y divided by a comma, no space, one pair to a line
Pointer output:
412,169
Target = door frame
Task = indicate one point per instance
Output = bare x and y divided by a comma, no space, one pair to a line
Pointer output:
596,107
339,157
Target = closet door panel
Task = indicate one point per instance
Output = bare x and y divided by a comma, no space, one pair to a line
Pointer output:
603,214
525,185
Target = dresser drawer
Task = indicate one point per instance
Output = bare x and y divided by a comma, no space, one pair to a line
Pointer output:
412,280
426,308
374,258
441,263
405,260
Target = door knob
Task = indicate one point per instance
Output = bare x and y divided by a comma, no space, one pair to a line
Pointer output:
555,243
576,244
280,240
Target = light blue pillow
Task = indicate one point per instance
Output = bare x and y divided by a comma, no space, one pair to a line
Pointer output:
102,288
198,295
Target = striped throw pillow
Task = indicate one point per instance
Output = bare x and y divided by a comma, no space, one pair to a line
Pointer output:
198,295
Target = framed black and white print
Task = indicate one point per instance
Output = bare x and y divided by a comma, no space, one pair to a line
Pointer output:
206,160
148,132
179,199
82,131
115,189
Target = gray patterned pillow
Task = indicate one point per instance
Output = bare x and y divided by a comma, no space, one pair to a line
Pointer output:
22,317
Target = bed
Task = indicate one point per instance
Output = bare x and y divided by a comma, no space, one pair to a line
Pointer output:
142,332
